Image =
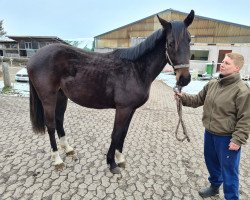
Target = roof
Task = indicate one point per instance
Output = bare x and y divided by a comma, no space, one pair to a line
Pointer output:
37,37
6,39
175,11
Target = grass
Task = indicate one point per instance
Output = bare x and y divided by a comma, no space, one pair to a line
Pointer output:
7,89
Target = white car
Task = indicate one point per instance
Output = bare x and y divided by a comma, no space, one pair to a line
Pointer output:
22,75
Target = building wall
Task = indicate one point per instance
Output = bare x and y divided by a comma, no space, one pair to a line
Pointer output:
203,30
200,66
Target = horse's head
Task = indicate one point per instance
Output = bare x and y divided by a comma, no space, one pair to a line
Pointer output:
177,47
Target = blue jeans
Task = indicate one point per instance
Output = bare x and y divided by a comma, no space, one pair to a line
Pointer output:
222,164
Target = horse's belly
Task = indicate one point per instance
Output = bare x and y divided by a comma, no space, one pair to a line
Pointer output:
92,101
88,94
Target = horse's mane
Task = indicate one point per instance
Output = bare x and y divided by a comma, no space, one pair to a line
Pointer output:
178,31
136,52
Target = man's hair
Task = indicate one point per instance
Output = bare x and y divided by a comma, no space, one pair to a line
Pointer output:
237,58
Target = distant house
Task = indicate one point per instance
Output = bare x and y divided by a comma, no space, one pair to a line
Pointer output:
25,46
8,47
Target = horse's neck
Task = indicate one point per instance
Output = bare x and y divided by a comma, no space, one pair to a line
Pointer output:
154,63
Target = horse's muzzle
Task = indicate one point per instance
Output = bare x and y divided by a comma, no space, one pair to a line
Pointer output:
184,80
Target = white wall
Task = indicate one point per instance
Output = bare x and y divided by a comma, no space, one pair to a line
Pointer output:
200,66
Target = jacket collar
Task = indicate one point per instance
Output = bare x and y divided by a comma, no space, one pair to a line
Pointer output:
233,78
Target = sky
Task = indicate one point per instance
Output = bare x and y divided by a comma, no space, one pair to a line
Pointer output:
69,19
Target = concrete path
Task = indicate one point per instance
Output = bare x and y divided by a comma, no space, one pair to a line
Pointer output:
158,166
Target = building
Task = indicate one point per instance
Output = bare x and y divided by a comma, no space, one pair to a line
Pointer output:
24,46
211,38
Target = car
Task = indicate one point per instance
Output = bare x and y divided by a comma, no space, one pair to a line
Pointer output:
22,75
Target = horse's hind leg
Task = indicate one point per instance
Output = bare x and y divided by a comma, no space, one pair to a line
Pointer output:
61,106
122,117
49,105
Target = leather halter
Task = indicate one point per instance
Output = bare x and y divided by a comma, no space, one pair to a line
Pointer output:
175,66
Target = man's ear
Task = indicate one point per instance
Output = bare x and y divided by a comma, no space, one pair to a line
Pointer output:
237,68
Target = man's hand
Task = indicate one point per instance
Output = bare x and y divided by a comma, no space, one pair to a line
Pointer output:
233,146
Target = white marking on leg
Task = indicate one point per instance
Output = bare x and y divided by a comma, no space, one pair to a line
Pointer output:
65,145
119,157
56,158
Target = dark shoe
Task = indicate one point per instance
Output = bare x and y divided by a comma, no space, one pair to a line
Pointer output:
209,191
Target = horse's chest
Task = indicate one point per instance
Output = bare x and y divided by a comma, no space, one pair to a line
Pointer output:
134,97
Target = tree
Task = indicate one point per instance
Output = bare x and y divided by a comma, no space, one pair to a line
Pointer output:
2,32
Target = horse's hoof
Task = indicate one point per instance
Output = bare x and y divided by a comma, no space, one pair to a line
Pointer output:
122,165
115,170
74,157
70,153
59,167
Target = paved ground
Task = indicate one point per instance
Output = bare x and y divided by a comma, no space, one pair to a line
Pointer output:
158,166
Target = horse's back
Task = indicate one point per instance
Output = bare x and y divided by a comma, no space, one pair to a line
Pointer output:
44,55
79,74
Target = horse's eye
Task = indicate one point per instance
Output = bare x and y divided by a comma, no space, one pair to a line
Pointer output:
171,45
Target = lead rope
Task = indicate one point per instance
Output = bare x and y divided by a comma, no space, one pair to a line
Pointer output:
179,107
179,110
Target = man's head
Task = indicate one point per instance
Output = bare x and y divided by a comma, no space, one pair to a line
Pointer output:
232,63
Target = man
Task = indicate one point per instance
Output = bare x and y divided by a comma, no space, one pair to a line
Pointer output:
226,118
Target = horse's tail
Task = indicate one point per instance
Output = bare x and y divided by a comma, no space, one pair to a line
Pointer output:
36,111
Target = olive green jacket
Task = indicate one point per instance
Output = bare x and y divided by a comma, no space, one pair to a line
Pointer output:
226,107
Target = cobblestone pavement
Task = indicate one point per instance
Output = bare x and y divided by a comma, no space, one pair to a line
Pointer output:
158,166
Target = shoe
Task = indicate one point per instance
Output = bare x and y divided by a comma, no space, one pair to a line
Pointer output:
209,191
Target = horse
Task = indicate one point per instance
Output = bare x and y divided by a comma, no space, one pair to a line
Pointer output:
119,80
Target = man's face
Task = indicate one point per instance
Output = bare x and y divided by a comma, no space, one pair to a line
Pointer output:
228,67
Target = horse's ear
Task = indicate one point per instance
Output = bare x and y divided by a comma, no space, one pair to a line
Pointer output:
189,19
164,23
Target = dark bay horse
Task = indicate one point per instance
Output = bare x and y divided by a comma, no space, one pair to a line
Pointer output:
120,79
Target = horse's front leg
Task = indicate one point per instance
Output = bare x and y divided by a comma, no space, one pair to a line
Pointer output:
120,158
122,119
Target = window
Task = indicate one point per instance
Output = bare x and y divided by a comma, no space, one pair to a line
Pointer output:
28,45
11,46
199,55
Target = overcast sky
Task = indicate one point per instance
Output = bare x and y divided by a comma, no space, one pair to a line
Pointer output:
88,18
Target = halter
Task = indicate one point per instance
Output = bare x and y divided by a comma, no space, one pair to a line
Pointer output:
175,66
